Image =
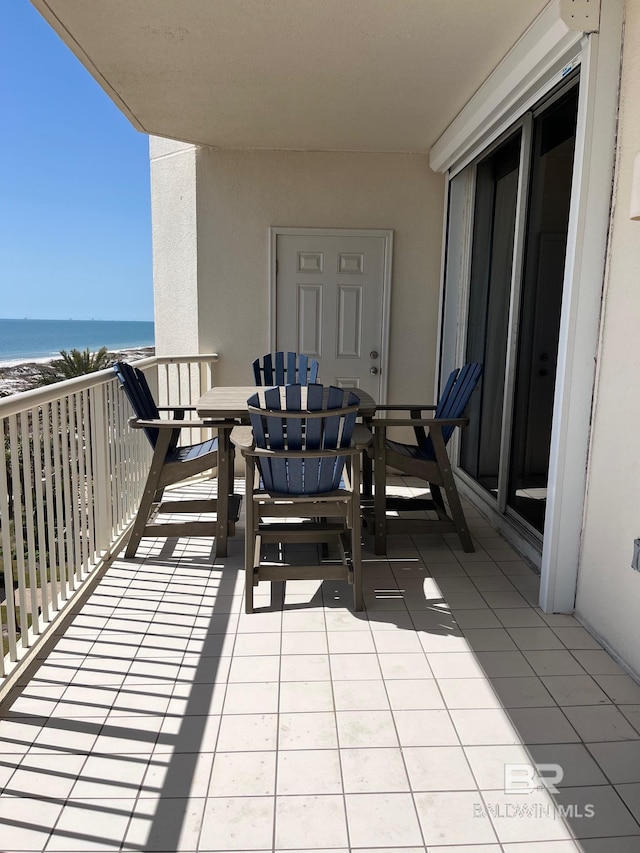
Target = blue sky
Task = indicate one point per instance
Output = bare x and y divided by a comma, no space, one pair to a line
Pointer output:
75,222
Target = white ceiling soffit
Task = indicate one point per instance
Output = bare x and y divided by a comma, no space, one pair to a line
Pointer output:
349,75
546,52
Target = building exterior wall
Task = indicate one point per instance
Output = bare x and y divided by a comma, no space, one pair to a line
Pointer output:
175,255
608,594
240,194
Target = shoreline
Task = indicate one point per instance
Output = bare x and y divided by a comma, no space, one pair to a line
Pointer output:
16,362
19,375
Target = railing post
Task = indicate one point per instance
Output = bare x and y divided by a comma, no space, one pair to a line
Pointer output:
7,559
102,482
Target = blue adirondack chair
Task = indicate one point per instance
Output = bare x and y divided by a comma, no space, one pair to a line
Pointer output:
427,459
170,464
285,368
295,452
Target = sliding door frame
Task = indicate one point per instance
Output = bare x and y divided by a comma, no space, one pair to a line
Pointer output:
537,63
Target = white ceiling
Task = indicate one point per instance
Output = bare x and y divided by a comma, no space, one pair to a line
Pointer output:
354,75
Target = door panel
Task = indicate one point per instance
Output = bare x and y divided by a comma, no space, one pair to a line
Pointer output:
541,302
456,269
309,300
488,323
517,254
349,344
329,304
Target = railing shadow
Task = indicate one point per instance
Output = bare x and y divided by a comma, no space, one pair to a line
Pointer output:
148,735
150,691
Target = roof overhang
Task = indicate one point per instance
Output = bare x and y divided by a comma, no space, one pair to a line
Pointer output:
348,75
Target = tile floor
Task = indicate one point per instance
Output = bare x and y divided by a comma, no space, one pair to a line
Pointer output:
168,720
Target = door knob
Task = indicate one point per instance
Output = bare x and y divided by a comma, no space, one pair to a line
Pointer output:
373,371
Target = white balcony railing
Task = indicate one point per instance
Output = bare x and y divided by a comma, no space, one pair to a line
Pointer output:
71,479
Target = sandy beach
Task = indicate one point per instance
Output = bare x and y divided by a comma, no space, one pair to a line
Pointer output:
16,376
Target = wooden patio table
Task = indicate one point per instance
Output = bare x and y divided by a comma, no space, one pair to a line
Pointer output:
228,404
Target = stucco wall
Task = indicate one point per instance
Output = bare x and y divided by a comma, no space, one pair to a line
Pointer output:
175,258
608,596
240,194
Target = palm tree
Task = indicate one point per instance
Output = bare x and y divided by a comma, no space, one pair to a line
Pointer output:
74,363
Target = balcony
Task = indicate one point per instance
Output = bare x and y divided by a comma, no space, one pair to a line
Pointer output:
146,711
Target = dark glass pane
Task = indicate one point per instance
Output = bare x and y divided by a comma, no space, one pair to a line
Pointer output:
541,298
490,286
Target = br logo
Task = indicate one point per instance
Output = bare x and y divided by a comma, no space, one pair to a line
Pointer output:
526,778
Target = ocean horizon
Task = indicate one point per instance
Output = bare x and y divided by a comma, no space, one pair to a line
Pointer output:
40,340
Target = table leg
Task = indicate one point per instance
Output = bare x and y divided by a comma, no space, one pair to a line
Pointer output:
367,467
225,485
380,499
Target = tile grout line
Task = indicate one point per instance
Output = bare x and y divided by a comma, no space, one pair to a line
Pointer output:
335,722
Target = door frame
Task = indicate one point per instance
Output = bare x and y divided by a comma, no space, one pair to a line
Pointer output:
544,55
384,233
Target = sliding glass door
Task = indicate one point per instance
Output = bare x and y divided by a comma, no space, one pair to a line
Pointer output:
511,313
497,178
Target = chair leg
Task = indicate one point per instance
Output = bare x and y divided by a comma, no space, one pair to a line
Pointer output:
367,467
137,531
451,491
150,495
438,502
249,536
149,499
457,514
380,497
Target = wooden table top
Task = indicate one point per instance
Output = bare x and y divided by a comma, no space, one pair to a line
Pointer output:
230,402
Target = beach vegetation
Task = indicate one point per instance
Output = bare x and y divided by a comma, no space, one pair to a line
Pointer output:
74,363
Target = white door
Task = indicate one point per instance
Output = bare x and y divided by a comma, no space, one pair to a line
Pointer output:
331,302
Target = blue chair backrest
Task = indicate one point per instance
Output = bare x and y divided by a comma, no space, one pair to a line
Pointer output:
285,368
273,429
135,386
452,403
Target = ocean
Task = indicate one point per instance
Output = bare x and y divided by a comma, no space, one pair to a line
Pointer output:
38,340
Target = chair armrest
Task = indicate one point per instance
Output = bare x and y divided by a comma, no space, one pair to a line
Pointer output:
179,412
362,436
399,407
386,422
166,423
302,454
242,437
